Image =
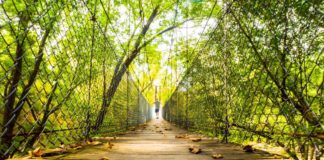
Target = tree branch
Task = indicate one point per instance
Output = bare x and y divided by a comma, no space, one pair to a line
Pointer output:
162,32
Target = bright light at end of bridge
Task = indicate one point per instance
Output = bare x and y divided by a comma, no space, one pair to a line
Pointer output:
156,82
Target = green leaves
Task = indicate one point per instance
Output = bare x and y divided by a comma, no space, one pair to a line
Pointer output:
259,70
256,66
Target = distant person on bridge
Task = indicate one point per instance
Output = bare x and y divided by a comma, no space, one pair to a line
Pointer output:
157,109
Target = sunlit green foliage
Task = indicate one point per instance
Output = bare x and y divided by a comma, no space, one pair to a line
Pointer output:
260,78
252,70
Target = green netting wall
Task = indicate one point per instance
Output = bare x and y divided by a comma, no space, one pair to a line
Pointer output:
56,65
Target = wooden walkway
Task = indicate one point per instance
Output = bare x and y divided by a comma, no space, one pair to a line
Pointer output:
156,141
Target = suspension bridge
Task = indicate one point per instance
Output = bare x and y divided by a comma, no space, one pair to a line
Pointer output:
82,79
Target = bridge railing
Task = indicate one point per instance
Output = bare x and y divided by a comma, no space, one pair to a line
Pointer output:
249,113
255,77
246,111
56,63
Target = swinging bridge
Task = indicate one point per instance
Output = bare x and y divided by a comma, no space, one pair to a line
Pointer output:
236,79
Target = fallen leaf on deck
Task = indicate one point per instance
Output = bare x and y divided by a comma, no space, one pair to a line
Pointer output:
159,131
104,158
109,145
132,128
94,143
37,152
248,148
195,139
143,126
63,146
195,149
181,136
75,146
83,143
217,156
121,134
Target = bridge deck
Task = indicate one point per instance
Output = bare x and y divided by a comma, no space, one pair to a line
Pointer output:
154,142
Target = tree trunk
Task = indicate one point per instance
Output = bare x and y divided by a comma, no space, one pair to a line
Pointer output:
41,126
12,114
9,102
121,68
108,98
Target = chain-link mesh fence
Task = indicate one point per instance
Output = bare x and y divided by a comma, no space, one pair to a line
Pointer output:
56,60
259,78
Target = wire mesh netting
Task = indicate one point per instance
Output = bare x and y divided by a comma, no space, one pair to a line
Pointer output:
257,79
258,76
54,72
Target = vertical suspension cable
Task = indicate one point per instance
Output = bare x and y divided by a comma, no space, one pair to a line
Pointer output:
187,66
171,55
177,107
226,133
127,74
88,123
